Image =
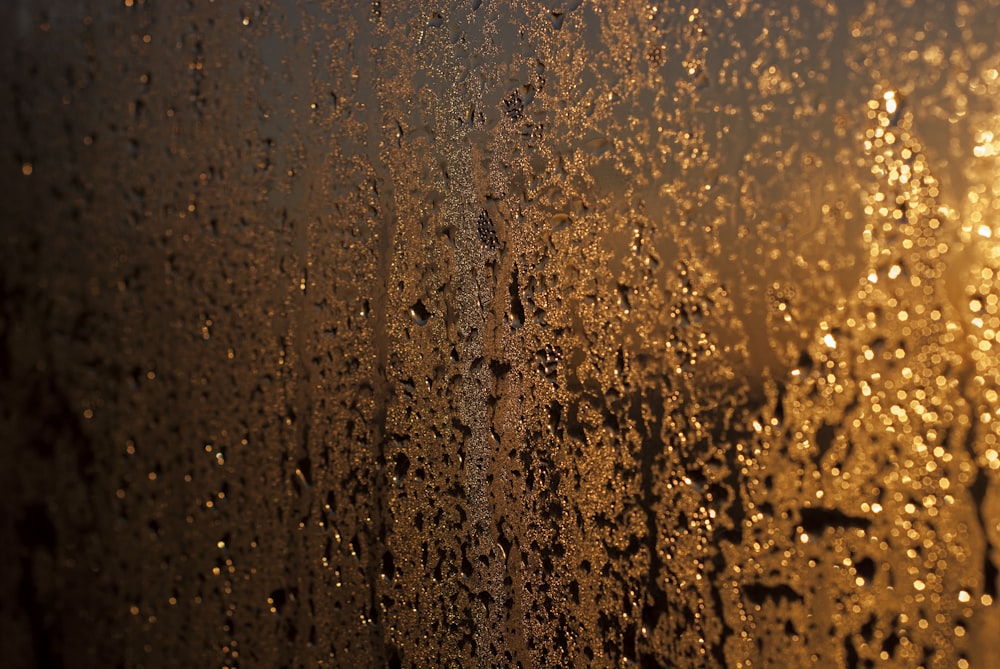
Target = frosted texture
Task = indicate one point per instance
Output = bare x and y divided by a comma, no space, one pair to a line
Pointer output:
500,334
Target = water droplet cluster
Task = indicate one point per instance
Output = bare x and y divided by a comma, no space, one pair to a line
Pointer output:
500,334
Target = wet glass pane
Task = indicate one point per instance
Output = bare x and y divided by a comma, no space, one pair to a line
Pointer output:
498,334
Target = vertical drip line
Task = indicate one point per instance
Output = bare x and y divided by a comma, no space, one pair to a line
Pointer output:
371,39
475,297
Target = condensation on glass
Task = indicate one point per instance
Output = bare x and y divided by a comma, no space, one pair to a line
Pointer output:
498,334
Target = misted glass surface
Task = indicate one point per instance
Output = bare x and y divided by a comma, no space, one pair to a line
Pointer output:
500,334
